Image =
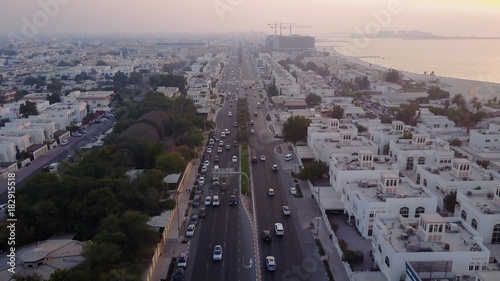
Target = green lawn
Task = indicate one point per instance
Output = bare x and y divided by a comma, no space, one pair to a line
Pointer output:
245,168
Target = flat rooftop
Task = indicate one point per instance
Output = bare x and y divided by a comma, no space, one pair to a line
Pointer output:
483,202
351,163
406,144
460,241
370,192
445,173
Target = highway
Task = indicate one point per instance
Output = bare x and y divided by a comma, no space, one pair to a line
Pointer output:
226,225
296,254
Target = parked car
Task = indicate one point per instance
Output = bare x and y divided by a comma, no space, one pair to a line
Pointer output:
262,158
216,201
254,159
64,142
208,200
235,159
182,260
190,230
178,274
194,220
202,213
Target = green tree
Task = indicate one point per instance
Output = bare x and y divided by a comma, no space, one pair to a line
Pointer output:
31,277
313,98
28,108
295,129
78,78
436,93
455,142
337,112
54,98
120,80
362,83
170,163
361,129
272,91
20,94
450,201
483,163
33,81
101,63
393,76
313,171
64,63
408,113
136,78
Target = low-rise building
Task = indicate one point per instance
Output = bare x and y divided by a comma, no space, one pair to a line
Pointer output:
485,140
420,150
429,247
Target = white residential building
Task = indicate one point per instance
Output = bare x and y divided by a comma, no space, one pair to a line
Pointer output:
419,151
433,246
480,208
97,100
37,134
199,92
7,151
485,140
383,134
382,192
21,140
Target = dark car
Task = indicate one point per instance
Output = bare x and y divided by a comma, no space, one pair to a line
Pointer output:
233,200
254,159
275,168
266,235
179,274
216,159
194,220
202,213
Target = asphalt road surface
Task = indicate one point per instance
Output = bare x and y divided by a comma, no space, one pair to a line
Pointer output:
225,225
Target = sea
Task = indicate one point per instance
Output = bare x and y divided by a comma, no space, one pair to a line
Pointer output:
471,59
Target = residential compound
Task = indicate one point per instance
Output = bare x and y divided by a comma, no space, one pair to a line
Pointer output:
393,183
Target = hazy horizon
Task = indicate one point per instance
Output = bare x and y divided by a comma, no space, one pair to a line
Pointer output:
463,17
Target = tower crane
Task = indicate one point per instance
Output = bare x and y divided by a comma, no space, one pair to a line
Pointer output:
279,25
291,25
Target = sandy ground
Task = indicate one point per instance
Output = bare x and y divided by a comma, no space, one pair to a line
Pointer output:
468,88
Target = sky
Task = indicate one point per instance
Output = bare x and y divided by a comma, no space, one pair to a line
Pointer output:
441,17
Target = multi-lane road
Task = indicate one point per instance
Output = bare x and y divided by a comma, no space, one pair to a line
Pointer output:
296,254
225,225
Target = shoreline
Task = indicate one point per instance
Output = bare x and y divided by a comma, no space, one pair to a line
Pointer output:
483,90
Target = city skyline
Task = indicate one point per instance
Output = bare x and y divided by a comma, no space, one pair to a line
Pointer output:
28,19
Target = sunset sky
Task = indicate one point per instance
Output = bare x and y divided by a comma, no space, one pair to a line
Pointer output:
442,17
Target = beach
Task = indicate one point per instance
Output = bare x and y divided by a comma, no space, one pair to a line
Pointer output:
484,91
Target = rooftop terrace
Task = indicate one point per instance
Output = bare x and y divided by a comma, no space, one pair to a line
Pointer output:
401,235
369,189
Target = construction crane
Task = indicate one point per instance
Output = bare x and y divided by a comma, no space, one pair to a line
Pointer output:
291,25
279,25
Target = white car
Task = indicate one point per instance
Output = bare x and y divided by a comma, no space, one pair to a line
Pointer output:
252,131
204,169
270,191
262,158
190,230
209,150
221,143
208,200
293,191
206,163
229,114
286,210
235,159
217,256
271,263
201,181
227,132
278,229
215,200
64,142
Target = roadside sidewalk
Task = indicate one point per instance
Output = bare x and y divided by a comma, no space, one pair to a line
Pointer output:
175,235
331,254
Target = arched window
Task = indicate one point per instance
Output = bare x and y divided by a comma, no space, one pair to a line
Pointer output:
474,223
404,212
421,160
409,163
425,182
418,211
495,236
464,215
387,261
418,178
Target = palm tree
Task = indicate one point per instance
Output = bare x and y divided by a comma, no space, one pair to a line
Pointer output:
446,104
477,106
456,99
